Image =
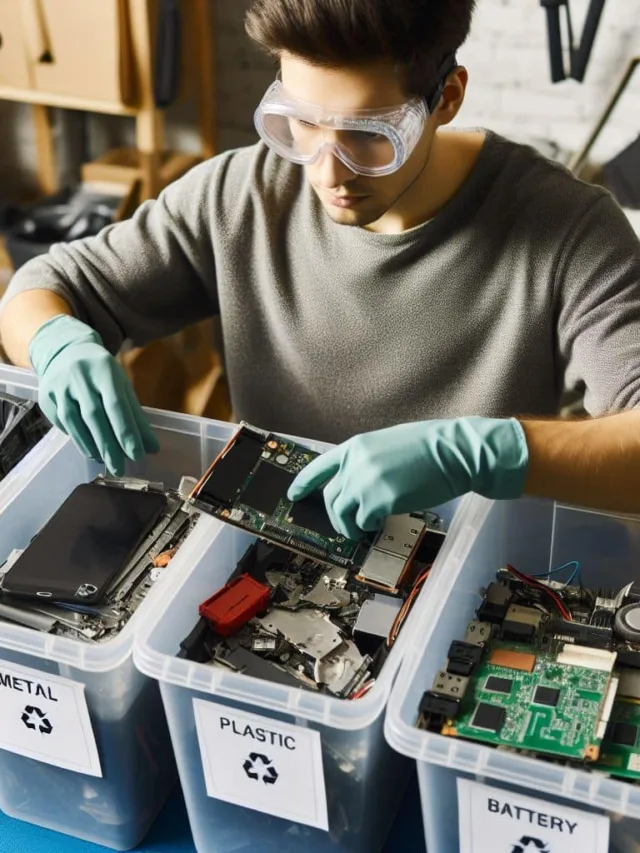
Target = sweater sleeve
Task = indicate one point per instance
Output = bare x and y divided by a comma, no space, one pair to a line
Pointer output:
597,291
143,278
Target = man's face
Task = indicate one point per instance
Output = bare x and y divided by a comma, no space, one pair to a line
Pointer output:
349,198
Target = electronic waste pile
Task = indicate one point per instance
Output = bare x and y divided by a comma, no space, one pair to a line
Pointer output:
550,668
304,607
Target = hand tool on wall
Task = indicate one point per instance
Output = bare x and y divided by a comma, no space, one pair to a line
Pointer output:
579,53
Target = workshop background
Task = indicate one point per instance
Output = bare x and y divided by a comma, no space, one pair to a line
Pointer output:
45,148
510,91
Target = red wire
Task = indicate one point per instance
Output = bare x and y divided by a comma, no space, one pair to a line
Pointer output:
364,689
535,583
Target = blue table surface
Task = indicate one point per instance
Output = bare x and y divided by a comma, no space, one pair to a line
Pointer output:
170,833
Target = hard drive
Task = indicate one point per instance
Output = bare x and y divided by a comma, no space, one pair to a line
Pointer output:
84,544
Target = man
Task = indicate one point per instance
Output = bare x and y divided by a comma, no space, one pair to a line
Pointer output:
375,273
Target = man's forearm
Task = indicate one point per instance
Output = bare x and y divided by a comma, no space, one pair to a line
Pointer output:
21,318
594,462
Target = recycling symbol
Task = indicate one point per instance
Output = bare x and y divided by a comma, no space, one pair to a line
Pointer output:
258,766
34,718
527,844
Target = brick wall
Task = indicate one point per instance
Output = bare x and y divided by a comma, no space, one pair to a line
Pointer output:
509,91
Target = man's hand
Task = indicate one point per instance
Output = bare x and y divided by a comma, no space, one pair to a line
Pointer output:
413,467
85,392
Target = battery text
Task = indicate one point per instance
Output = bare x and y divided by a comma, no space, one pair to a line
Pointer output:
530,815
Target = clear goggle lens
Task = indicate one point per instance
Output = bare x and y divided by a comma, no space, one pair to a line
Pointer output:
305,141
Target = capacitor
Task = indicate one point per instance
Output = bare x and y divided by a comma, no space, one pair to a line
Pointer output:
627,622
282,459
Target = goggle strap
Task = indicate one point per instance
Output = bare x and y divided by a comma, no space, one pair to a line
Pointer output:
449,63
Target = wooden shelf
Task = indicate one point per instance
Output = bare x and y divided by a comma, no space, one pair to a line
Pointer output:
123,165
69,102
151,165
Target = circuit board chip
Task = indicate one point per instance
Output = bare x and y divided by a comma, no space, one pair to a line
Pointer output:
624,734
266,487
225,481
489,717
498,685
548,696
311,513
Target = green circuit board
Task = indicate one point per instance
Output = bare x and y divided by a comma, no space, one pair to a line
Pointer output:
551,709
620,754
247,487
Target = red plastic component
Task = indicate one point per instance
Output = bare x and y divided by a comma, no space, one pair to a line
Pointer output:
235,604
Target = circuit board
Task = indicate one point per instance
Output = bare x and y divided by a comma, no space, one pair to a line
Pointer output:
548,667
247,486
620,754
552,708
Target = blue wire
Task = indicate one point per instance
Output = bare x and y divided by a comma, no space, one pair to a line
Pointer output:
576,571
574,574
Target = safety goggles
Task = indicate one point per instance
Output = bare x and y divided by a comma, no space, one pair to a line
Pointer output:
369,142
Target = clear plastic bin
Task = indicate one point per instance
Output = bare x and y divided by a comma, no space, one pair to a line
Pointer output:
124,706
533,536
364,779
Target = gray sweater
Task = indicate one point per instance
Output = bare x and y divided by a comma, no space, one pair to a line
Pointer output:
526,282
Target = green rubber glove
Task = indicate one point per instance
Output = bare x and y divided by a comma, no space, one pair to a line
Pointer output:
415,466
85,392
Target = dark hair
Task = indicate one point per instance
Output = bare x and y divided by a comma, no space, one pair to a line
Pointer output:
417,35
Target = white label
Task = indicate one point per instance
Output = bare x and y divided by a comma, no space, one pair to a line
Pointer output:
46,717
262,764
493,820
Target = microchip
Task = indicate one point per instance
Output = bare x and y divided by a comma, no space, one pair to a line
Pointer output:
266,488
546,696
227,478
513,660
489,717
624,734
311,514
498,685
